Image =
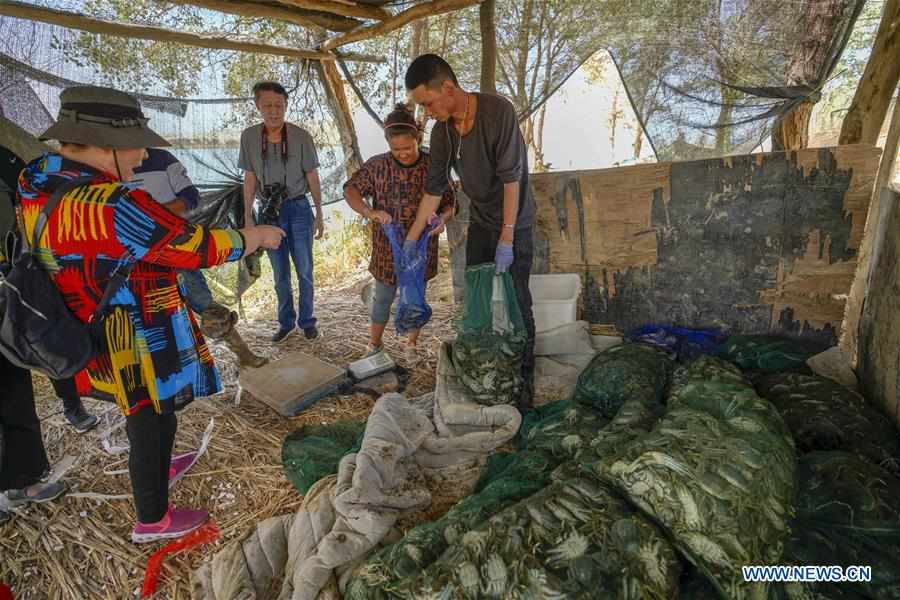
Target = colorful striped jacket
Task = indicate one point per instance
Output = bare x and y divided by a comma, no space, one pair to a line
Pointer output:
155,354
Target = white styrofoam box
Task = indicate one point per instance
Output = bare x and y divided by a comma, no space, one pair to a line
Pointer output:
555,299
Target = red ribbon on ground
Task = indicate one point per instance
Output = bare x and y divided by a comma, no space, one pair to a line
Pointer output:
208,533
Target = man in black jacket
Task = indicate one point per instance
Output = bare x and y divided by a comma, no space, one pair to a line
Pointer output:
10,167
23,460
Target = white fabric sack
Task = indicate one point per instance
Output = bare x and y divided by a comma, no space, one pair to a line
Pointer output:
571,338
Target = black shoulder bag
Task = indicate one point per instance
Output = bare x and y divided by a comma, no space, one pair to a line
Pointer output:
37,330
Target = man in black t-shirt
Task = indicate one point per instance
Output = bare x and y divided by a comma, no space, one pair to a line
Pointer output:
478,136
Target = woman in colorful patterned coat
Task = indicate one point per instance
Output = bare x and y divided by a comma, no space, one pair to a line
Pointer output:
395,182
155,360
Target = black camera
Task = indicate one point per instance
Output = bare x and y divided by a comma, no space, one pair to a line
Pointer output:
273,194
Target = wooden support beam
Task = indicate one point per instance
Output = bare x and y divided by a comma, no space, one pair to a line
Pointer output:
850,329
359,95
272,10
146,32
20,142
428,9
340,109
359,57
488,47
344,8
873,96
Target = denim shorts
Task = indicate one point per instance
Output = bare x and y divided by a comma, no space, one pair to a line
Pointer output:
380,303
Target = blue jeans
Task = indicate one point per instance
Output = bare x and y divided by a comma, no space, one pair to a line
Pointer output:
297,219
195,290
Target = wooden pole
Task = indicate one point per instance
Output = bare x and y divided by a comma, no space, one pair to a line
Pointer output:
146,32
359,95
340,109
20,142
873,96
850,328
488,46
248,8
344,8
435,7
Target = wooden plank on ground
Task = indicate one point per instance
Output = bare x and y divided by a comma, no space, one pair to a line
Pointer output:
292,383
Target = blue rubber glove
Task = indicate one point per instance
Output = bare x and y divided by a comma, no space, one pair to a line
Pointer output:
503,257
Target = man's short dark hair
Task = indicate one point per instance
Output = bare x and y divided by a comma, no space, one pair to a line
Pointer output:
269,86
429,70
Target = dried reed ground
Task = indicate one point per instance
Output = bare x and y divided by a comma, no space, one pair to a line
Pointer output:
79,548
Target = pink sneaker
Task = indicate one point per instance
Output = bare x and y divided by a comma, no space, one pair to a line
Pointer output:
180,465
176,523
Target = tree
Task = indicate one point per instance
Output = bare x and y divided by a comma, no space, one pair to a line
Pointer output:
808,61
862,124
161,67
540,44
838,93
151,67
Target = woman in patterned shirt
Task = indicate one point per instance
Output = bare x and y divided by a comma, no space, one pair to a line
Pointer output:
155,360
395,181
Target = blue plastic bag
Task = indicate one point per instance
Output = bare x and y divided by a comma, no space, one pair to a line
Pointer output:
686,343
412,311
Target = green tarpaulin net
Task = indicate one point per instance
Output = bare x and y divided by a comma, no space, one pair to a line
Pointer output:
313,451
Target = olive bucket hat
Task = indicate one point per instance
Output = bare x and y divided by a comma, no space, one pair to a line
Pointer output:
104,117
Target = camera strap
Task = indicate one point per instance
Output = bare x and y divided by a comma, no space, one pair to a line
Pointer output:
283,152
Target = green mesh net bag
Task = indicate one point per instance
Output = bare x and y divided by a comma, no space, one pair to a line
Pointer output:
825,415
508,478
630,371
554,444
848,513
769,354
716,472
573,539
487,352
313,451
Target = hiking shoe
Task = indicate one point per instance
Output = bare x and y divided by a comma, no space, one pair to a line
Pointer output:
4,517
311,333
82,420
180,465
176,523
39,493
281,335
